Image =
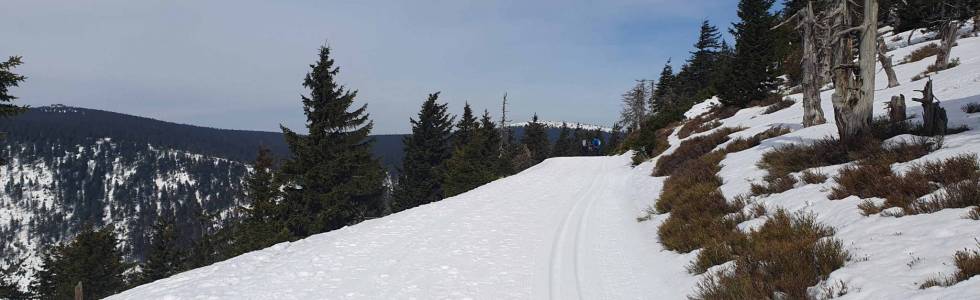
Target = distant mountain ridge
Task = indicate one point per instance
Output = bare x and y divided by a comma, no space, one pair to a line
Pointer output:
74,124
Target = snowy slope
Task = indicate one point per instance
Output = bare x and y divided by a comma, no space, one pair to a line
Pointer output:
564,229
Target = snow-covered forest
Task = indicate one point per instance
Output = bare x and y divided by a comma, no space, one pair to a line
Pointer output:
823,149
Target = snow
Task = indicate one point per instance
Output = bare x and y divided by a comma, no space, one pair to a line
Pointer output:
703,107
563,229
566,228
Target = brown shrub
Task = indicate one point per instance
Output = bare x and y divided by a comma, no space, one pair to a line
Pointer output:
740,144
697,125
781,105
869,207
692,148
957,195
774,184
798,157
711,255
967,263
933,68
695,178
922,53
813,177
876,179
705,122
971,108
696,205
787,255
974,213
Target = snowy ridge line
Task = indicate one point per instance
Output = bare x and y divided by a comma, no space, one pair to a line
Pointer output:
557,124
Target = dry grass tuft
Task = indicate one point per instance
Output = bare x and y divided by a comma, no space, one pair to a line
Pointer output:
813,177
935,69
798,157
781,105
783,258
967,263
692,148
971,108
974,213
740,144
922,53
697,125
960,175
774,184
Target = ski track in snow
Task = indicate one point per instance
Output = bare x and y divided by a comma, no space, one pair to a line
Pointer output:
564,229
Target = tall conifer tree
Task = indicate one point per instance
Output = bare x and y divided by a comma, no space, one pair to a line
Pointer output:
474,164
9,79
664,99
332,179
164,258
536,140
753,73
565,145
263,222
426,151
701,66
91,258
465,128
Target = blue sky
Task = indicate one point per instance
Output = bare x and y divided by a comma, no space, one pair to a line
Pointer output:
239,64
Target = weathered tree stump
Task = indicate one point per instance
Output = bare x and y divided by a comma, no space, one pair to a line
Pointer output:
948,36
934,120
886,63
896,109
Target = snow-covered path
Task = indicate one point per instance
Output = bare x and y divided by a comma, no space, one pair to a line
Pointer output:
564,229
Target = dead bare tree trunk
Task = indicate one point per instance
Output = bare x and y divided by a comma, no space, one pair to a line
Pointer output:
886,63
504,132
948,35
854,93
934,120
896,109
79,295
812,73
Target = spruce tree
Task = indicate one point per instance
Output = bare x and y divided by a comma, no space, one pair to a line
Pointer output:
262,222
465,128
332,179
163,258
615,139
753,74
509,149
426,151
664,98
536,140
565,144
91,258
9,79
490,142
701,66
474,164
